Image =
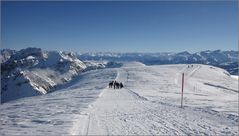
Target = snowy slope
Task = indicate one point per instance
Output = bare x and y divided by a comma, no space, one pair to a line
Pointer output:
149,104
54,113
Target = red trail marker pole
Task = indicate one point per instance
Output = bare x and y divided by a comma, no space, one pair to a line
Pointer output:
182,90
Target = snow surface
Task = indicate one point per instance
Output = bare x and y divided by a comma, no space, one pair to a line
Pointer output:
234,76
149,104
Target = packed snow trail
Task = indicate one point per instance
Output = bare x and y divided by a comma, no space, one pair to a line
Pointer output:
149,104
54,113
125,112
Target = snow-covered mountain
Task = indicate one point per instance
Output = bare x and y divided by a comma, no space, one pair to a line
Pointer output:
224,59
6,54
32,71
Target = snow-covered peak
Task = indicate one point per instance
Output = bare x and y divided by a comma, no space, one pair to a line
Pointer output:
185,53
6,54
24,53
34,71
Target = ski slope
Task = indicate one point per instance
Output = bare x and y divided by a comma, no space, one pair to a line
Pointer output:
149,104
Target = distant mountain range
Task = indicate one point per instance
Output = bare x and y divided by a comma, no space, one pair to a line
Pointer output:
224,59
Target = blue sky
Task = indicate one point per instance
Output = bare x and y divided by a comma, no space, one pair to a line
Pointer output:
120,26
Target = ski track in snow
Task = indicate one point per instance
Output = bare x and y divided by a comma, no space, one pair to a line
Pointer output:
149,104
125,112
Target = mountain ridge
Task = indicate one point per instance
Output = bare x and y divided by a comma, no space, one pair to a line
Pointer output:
33,71
227,60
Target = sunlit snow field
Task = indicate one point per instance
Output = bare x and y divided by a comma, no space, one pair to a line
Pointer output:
149,104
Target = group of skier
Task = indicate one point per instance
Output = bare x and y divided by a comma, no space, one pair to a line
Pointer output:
116,85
